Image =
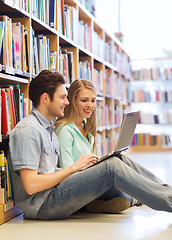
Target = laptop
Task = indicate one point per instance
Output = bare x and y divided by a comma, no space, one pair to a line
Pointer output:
125,136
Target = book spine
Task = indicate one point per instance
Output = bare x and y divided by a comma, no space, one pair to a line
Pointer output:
52,13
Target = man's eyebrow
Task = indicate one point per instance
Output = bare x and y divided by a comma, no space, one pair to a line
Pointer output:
64,94
88,97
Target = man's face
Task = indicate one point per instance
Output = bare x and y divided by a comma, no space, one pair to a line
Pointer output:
57,105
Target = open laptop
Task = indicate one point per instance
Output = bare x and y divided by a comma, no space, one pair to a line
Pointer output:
125,136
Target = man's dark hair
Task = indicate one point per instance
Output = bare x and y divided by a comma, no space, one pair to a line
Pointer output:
46,81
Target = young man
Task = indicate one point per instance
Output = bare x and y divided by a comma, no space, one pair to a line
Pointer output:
42,190
34,147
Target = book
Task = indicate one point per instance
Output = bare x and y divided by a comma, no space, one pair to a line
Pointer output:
8,205
5,113
34,11
21,106
5,53
10,107
59,16
16,31
35,64
67,21
16,95
11,97
53,5
8,180
2,27
63,17
71,66
53,60
23,50
6,194
47,12
10,42
65,65
26,49
2,178
0,116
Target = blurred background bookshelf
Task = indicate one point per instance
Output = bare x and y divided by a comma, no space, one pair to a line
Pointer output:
150,91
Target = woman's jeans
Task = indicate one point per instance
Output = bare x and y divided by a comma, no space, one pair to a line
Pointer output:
118,175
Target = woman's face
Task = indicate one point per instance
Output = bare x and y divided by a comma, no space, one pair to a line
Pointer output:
85,102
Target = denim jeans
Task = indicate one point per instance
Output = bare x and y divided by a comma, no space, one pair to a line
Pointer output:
119,175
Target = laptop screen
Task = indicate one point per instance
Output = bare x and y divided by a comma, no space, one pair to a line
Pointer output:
127,131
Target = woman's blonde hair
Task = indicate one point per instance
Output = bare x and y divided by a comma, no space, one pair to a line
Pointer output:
71,111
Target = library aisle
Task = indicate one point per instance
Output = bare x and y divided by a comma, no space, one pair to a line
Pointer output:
136,223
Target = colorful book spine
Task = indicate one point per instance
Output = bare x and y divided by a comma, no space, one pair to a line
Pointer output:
53,13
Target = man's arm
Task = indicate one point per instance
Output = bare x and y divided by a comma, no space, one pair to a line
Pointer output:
34,182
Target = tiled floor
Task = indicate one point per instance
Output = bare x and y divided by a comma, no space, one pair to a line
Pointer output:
137,223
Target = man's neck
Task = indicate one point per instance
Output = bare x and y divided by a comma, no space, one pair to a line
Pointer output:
44,113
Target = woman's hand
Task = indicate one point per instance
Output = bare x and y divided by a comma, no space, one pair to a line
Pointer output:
84,161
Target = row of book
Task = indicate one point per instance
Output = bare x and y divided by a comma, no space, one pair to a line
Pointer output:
105,142
89,5
148,139
66,64
64,18
163,117
21,4
97,45
147,95
159,73
98,79
112,116
13,44
109,52
41,9
100,116
115,85
85,35
108,144
16,55
43,58
25,5
123,64
57,15
6,194
13,107
85,70
99,149
106,116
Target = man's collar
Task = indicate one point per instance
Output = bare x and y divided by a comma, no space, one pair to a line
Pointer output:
43,121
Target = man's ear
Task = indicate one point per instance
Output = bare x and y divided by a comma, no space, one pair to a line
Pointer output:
45,97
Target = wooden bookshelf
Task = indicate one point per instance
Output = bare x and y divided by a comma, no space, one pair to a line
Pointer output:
148,148
9,214
88,51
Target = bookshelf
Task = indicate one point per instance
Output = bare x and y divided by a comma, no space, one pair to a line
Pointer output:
64,35
151,93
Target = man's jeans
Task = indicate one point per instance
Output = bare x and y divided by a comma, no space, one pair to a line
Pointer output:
117,175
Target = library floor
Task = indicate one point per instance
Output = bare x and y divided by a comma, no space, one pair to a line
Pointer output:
137,223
